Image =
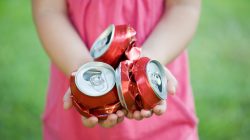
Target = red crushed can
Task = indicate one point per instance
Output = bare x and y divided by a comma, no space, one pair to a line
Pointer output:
93,90
151,82
111,45
126,87
141,84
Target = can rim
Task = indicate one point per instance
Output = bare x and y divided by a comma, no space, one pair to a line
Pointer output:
90,65
118,86
162,95
110,28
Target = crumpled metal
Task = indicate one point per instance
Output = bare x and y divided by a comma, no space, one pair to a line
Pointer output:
122,46
136,89
94,106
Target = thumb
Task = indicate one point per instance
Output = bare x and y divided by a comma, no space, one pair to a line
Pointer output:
67,100
172,82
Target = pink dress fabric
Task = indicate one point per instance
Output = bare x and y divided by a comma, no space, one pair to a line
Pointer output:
90,18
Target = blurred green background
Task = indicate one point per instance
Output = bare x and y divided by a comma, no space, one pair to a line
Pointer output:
219,62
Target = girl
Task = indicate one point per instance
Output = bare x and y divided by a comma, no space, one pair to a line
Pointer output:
67,29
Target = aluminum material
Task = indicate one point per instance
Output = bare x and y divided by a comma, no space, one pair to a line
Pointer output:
103,42
147,96
115,44
95,78
157,78
119,86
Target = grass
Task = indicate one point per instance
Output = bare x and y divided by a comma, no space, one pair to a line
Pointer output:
24,72
219,65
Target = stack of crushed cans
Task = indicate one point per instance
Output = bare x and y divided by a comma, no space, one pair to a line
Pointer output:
118,78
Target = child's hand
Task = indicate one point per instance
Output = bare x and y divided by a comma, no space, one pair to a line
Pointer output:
111,121
162,106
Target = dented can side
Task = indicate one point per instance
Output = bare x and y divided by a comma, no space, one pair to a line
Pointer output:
84,85
125,86
147,94
111,45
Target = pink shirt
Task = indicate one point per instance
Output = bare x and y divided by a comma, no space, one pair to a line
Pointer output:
90,18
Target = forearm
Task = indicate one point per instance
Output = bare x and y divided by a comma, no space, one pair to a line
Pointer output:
59,39
174,31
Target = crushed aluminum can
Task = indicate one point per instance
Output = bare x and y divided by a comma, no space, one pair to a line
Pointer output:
141,84
126,87
151,82
111,45
93,90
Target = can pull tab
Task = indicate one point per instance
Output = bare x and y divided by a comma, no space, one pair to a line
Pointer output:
156,80
96,79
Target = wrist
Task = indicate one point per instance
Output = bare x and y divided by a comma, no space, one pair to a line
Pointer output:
77,64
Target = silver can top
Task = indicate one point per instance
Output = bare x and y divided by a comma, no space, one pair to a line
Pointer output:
103,42
118,86
157,78
95,78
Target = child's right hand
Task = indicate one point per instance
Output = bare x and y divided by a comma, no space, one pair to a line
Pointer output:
162,106
90,122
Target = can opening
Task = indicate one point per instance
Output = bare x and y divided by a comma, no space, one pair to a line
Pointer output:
157,78
103,42
95,78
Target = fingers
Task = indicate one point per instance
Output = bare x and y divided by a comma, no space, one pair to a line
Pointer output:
146,113
121,114
172,82
130,115
90,122
67,100
160,108
109,122
137,115
113,119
